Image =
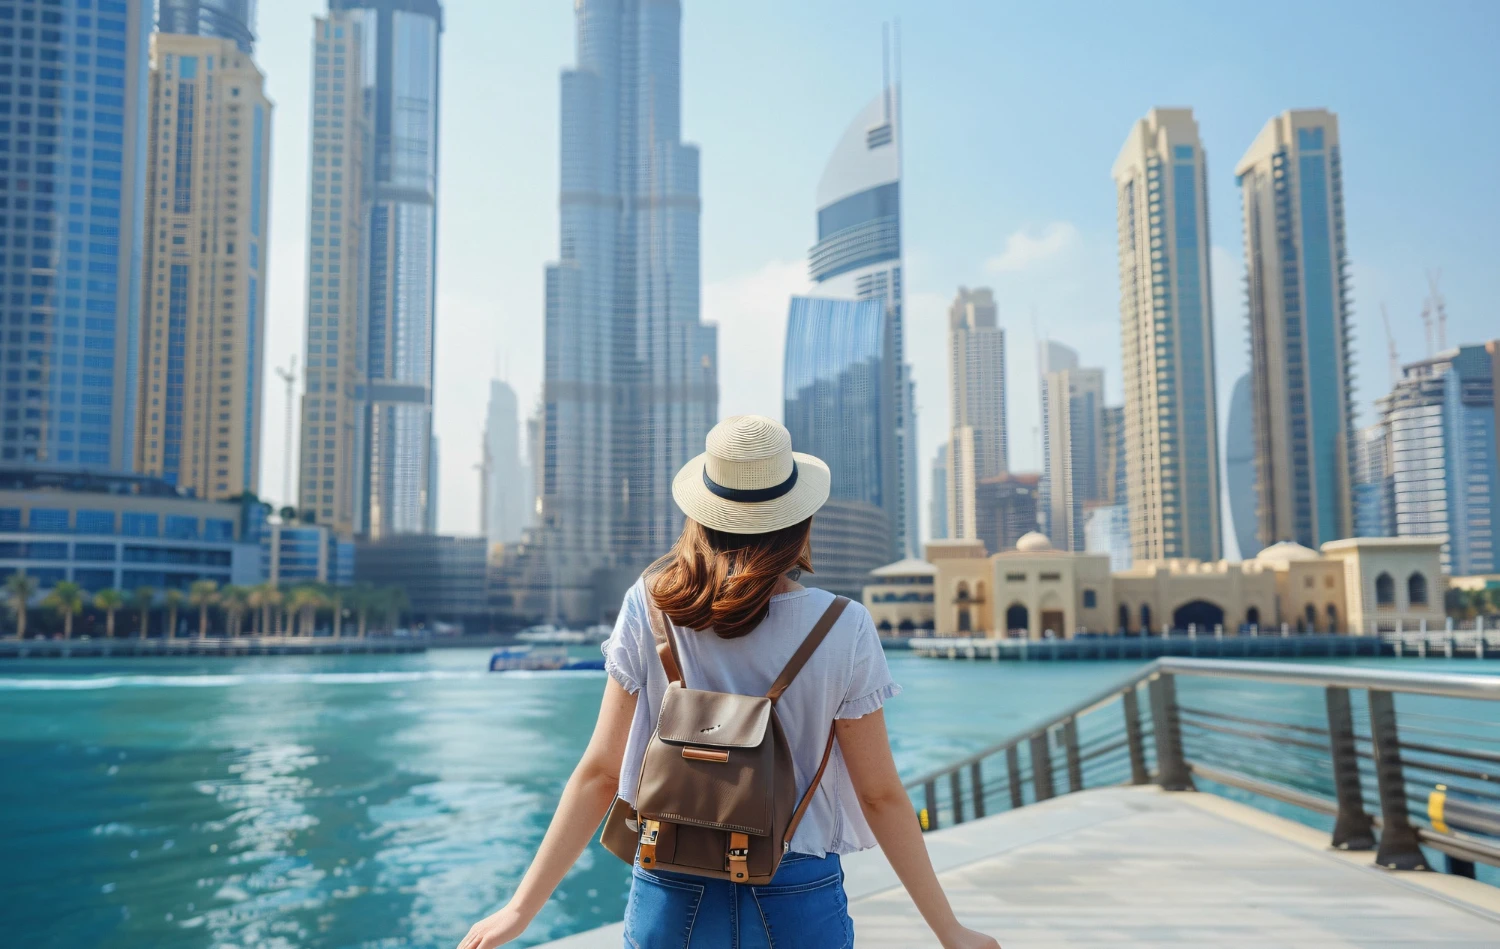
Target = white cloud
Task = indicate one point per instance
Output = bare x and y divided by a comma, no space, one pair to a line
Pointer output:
1025,249
750,310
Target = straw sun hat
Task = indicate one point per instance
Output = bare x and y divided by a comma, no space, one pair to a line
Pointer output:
749,481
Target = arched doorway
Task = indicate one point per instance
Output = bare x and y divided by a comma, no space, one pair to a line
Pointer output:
962,594
1311,613
1252,616
1416,590
1333,618
965,625
1017,619
1145,619
1385,590
1199,613
884,627
1124,618
907,627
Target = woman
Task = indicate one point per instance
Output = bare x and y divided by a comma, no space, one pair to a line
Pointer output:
729,587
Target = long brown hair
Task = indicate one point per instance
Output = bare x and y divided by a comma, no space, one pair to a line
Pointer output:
713,579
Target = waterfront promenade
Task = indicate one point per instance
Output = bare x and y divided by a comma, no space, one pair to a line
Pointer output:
1145,867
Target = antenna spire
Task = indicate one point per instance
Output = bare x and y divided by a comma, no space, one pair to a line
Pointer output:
885,69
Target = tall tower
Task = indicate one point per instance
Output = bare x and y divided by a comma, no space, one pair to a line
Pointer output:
1075,444
507,491
1291,183
225,19
858,255
1239,469
1167,340
398,93
977,446
334,453
1052,356
207,213
631,385
69,391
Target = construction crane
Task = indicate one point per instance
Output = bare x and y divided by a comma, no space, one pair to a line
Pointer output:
1390,343
1439,310
289,376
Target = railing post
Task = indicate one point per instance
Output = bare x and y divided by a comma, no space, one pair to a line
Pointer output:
1133,738
958,796
1352,830
1070,749
929,799
978,781
1013,776
1398,841
1041,766
1171,766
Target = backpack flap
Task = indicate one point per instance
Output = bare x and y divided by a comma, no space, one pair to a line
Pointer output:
710,763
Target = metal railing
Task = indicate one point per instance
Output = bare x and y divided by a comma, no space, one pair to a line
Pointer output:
1291,733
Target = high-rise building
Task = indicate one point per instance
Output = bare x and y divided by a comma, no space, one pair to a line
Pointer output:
858,255
505,503
1445,476
838,394
977,445
400,46
1106,530
1113,488
1239,469
334,460
1374,483
70,275
1301,350
1005,509
631,384
1167,340
226,19
1051,356
1075,422
937,502
203,327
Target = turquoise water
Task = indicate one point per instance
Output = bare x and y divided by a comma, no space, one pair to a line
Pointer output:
369,801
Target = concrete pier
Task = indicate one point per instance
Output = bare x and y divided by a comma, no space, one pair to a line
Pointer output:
1143,867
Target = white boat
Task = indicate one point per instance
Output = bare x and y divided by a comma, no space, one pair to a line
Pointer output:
552,635
533,659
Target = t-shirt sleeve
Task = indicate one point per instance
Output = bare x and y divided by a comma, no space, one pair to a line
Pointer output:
870,684
622,650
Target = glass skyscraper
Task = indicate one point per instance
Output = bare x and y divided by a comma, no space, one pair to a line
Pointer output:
858,255
1300,346
630,385
1167,340
224,19
399,42
1239,468
73,80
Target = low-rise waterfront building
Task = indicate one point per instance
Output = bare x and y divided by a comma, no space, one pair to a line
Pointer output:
123,532
294,553
1393,582
899,597
444,578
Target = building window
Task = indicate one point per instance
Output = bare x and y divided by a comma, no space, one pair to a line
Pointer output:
217,529
1015,578
49,520
1089,599
96,522
134,524
1385,590
179,527
1416,589
1050,577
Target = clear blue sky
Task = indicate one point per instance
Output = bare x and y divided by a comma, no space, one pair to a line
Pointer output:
1014,115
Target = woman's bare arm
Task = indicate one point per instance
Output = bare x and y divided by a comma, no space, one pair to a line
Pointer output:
867,754
584,800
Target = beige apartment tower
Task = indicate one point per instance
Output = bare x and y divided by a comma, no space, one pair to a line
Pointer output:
332,446
977,443
203,318
1302,386
1167,341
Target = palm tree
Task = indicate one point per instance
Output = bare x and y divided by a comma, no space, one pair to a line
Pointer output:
67,599
361,599
20,588
393,602
174,600
110,601
303,603
203,594
143,599
235,600
335,597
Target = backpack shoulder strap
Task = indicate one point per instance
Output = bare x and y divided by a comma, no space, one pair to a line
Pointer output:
666,646
809,645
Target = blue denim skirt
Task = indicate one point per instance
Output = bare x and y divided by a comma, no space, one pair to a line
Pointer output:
803,907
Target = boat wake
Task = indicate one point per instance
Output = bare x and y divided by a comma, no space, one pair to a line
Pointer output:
86,683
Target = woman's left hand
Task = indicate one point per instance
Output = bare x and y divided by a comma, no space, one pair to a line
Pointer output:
496,930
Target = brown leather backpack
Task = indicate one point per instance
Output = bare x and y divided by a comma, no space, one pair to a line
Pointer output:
717,795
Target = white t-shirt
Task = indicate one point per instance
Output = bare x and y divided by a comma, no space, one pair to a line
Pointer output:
846,677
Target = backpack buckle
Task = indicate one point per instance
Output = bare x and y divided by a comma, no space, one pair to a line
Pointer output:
737,857
650,831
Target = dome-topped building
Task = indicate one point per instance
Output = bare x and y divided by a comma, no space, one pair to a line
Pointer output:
1033,542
